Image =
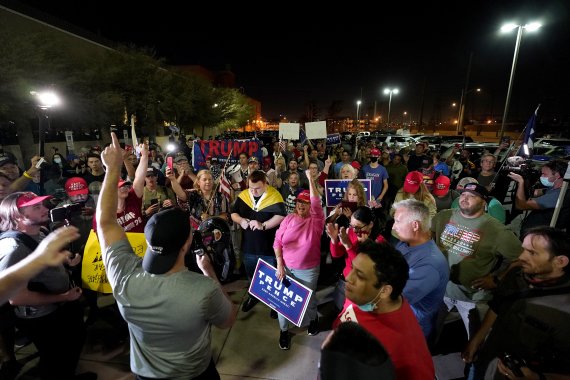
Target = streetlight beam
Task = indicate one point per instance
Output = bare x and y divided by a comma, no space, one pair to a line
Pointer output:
389,91
507,28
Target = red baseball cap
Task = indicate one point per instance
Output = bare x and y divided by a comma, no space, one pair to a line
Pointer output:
356,165
30,199
374,152
76,186
441,186
122,183
304,196
412,182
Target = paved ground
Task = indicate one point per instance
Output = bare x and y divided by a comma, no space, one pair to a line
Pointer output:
249,350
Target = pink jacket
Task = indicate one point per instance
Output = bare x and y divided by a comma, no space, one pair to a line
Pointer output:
300,238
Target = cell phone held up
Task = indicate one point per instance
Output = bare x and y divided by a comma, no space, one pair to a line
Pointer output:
514,363
65,213
350,205
153,201
169,163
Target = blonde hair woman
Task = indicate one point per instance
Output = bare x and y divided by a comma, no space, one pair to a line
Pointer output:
354,193
202,201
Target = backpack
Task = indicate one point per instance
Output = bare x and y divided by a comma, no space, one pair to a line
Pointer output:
21,238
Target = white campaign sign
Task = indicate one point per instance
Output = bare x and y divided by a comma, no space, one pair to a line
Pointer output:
289,131
316,130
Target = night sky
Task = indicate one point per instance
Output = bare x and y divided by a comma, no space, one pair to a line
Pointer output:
286,54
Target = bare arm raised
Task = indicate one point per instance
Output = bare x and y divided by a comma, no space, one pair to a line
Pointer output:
108,230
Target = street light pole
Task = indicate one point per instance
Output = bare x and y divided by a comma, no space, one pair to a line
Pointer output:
358,103
45,101
507,28
389,91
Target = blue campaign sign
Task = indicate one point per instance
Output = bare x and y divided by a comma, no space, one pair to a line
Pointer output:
289,298
333,139
224,150
335,189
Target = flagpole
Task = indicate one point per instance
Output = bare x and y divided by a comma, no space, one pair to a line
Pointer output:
513,145
218,182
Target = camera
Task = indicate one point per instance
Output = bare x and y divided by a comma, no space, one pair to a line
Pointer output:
65,213
513,363
519,165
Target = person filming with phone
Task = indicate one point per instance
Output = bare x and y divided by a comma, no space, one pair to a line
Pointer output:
47,310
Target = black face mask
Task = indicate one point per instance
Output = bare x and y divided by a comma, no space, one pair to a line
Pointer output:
373,159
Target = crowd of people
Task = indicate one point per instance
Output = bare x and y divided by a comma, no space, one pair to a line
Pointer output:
412,237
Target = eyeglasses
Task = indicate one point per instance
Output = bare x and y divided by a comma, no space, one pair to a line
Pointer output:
357,229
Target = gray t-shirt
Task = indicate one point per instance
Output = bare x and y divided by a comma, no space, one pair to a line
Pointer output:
169,316
52,280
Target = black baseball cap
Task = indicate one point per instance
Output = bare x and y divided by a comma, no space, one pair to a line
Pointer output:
165,233
475,188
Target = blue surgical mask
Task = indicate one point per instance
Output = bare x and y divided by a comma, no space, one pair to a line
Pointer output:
372,305
57,160
546,182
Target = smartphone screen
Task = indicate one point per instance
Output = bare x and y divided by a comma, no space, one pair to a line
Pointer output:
153,201
169,162
349,205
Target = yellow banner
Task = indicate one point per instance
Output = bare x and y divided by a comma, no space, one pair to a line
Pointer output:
93,275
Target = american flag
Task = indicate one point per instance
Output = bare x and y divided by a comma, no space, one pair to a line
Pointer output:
529,135
225,186
282,144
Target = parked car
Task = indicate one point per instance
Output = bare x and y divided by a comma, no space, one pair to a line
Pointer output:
477,150
553,141
436,142
544,153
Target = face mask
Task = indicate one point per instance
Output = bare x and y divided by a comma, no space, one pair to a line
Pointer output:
372,305
546,182
57,160
373,159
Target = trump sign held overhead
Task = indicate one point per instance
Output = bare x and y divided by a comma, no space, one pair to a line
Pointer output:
335,189
288,297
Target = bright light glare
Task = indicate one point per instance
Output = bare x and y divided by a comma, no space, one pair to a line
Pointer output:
47,99
525,148
358,102
386,91
170,147
532,26
508,27
395,91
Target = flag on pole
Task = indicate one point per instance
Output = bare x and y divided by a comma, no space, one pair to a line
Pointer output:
225,186
282,145
528,139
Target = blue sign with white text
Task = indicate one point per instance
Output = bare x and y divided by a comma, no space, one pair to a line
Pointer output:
335,189
333,139
289,297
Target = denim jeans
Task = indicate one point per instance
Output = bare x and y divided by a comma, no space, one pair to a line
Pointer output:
250,261
338,295
309,278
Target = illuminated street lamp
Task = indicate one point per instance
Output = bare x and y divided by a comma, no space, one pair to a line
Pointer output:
505,29
390,91
45,101
358,103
